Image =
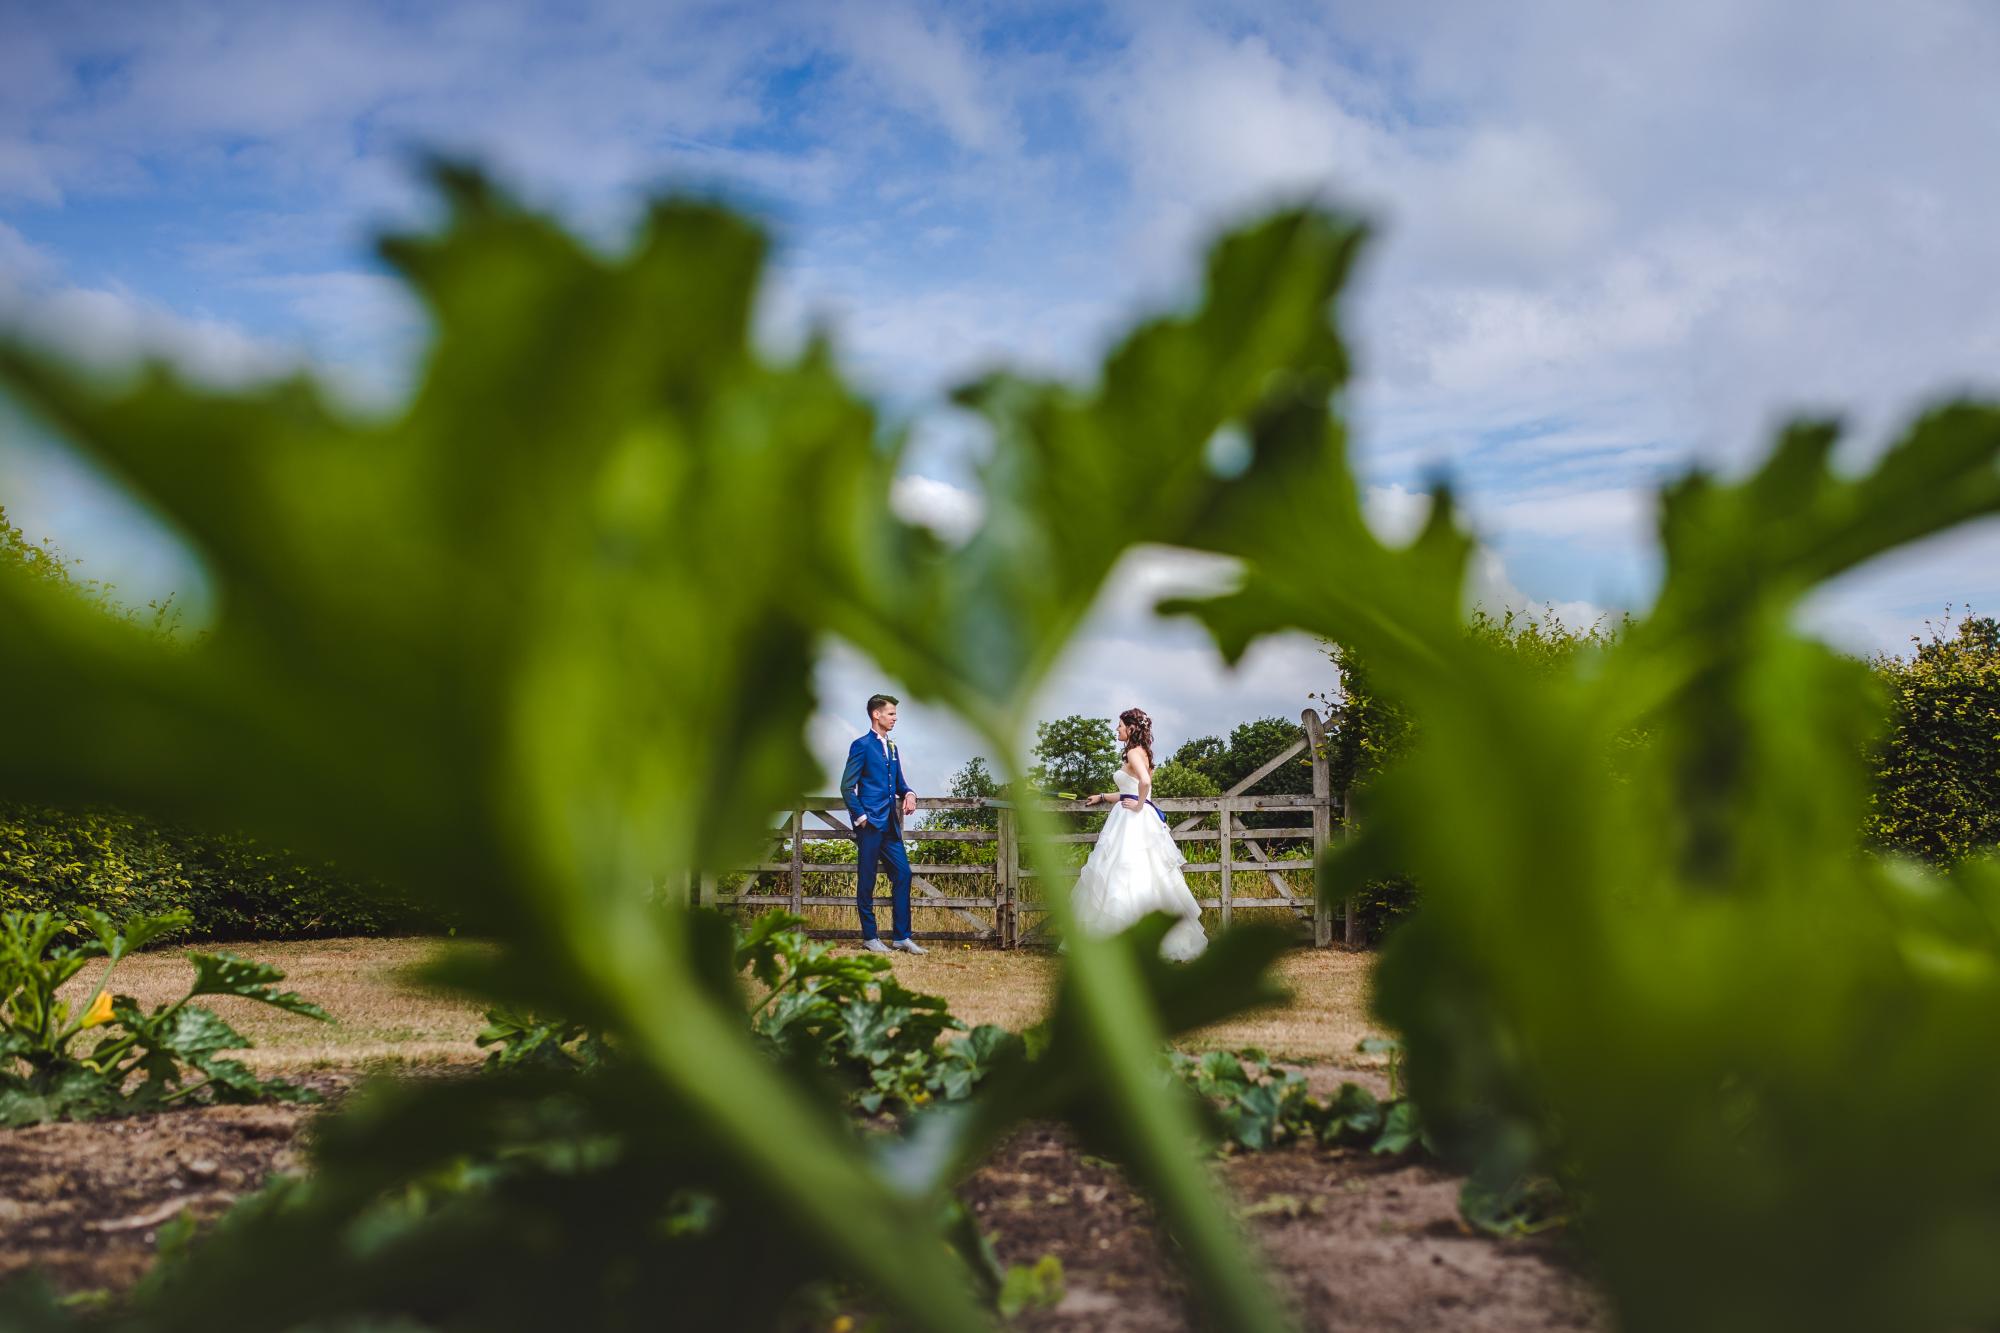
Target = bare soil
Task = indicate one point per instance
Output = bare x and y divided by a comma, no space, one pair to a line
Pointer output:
85,1202
1356,1241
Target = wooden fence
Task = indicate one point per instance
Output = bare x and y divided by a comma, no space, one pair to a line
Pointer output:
1256,865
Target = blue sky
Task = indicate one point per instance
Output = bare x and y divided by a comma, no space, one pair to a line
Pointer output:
1613,242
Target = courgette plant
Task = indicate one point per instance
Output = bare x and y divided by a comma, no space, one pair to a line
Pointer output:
544,639
106,1055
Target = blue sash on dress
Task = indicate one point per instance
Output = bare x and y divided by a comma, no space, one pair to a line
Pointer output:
1156,809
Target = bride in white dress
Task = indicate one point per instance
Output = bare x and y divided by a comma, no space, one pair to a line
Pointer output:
1135,868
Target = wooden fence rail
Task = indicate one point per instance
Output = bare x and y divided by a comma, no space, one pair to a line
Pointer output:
998,916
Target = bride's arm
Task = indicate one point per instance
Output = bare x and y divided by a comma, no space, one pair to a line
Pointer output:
1143,771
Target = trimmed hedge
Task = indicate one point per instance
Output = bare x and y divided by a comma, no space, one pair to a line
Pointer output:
63,860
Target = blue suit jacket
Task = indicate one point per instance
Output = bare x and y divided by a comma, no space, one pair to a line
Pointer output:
872,782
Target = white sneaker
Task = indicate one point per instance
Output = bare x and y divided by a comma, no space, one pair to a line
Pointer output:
909,946
874,946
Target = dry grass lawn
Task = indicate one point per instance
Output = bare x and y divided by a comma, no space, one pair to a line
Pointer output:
383,1015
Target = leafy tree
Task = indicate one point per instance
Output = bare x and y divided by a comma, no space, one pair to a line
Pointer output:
1205,755
1937,770
1075,754
1253,744
974,781
1175,778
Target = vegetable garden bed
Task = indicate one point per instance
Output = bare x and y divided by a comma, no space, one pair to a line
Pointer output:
1358,1241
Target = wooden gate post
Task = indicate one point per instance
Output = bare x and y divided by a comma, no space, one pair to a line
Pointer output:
1006,884
1228,853
1322,825
798,862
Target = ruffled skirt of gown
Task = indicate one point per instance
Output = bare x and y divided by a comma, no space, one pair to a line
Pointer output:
1135,868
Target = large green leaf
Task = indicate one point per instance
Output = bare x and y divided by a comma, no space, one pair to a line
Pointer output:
544,638
226,974
537,642
1666,967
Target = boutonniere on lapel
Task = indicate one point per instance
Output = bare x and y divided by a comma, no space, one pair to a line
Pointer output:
892,749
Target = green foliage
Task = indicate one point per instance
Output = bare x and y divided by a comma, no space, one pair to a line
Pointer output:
521,1039
64,861
972,782
1249,747
847,1015
49,1068
1368,729
1664,969
477,649
1253,744
232,887
37,559
1258,1105
1032,1287
42,563
1203,754
1174,778
1075,754
1936,789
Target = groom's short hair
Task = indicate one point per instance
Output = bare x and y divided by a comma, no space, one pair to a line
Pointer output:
876,701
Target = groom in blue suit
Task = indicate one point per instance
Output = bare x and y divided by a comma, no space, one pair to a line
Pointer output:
879,800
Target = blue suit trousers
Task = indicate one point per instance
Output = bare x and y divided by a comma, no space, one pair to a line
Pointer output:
879,847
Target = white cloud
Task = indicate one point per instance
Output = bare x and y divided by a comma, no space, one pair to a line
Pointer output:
1395,513
1491,589
951,512
923,63
1614,516
111,328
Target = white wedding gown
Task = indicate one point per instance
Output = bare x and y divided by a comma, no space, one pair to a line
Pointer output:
1135,868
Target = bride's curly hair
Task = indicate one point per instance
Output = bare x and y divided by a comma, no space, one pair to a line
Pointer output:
1138,730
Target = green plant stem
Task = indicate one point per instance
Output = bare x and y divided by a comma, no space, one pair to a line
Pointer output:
795,1154
1120,1026
84,1011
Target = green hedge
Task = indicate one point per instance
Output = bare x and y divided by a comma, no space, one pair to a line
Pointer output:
1937,771
62,860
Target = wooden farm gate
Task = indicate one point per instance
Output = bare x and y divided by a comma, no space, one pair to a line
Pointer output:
998,902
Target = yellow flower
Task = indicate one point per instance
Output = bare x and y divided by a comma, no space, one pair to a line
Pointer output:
844,1324
100,1010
